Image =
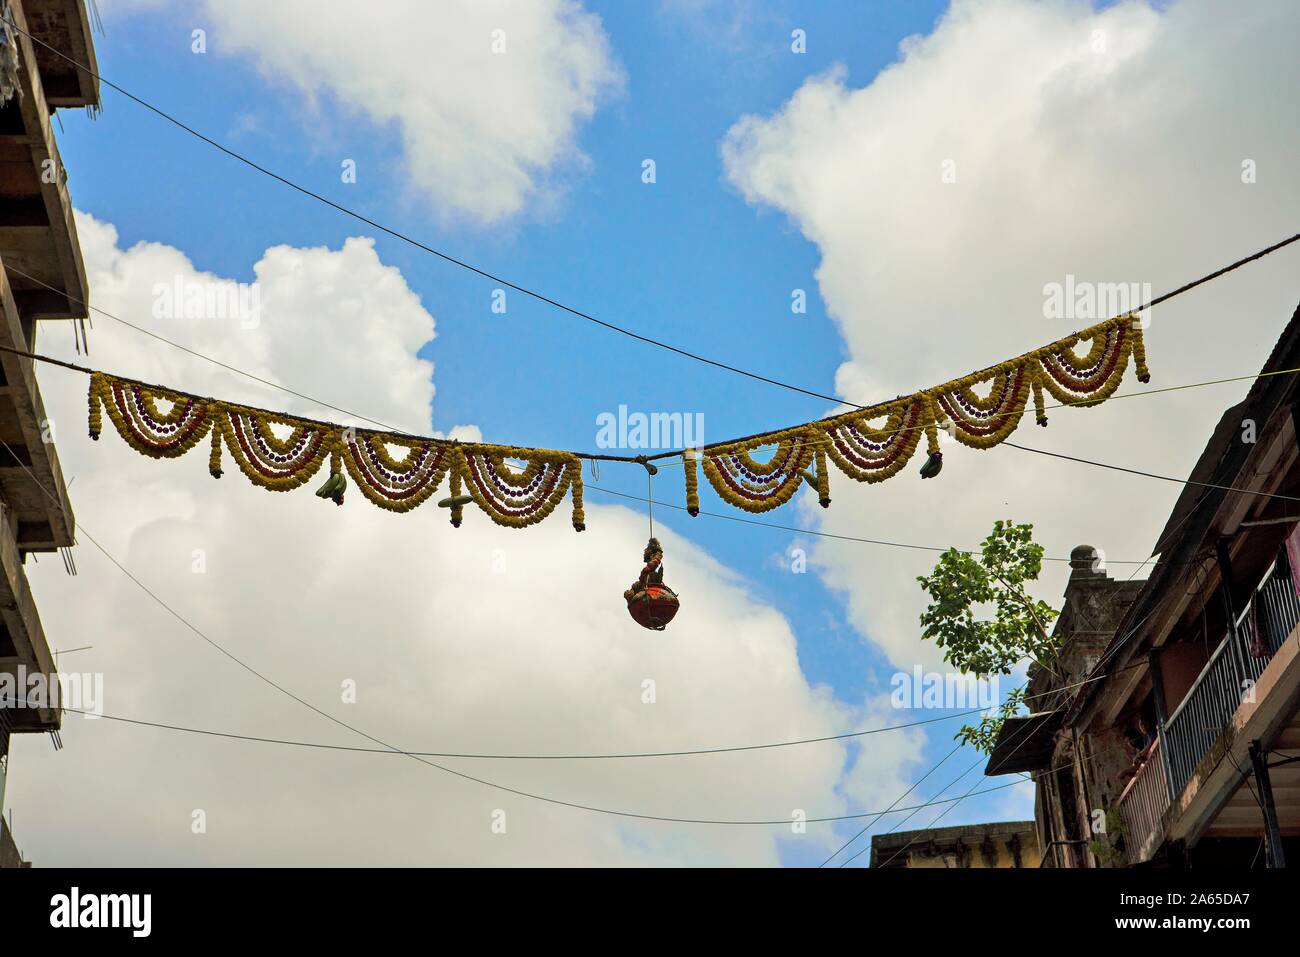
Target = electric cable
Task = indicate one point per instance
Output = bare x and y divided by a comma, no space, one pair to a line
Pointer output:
524,290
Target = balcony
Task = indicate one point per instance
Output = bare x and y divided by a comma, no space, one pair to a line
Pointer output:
1142,806
1196,727
1228,679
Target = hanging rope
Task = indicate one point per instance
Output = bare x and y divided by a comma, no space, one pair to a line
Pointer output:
650,500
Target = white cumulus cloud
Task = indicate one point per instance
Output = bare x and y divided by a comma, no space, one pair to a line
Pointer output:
1014,146
488,97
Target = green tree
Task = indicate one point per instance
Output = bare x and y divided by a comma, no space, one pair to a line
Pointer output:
962,586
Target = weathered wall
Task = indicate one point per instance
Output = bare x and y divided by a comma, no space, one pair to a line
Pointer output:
9,856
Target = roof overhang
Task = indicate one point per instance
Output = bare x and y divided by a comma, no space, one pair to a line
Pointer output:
1024,743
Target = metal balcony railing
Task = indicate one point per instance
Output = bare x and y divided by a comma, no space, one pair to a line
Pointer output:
1142,807
1228,678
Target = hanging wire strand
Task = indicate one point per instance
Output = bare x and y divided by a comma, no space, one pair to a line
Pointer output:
530,292
397,234
633,755
650,500
578,313
545,799
646,460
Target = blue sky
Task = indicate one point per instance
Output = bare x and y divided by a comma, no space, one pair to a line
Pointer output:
690,259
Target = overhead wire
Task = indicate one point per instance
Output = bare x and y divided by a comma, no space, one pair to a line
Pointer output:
1023,730
287,742
735,518
833,535
406,238
518,792
524,290
1153,475
1055,692
555,303
672,457
915,785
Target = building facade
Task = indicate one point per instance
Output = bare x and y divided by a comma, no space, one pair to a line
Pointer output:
42,277
1170,735
1001,844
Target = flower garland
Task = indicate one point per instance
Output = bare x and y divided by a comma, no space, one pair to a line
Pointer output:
133,408
754,486
267,460
395,484
690,458
868,450
281,452
868,454
519,499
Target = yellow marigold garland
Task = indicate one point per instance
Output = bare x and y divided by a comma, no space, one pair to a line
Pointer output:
517,499
1040,413
690,465
278,465
575,491
457,490
868,454
982,423
96,416
398,485
133,408
756,486
1139,348
931,426
214,455
823,476
1093,378
512,499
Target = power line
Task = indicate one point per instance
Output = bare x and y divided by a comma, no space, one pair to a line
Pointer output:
393,748
647,817
641,459
446,257
509,757
971,792
590,456
914,786
817,534
1054,692
1163,478
933,822
175,345
1021,731
397,234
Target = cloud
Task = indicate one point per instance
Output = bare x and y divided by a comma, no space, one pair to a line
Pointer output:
1109,145
479,639
485,134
